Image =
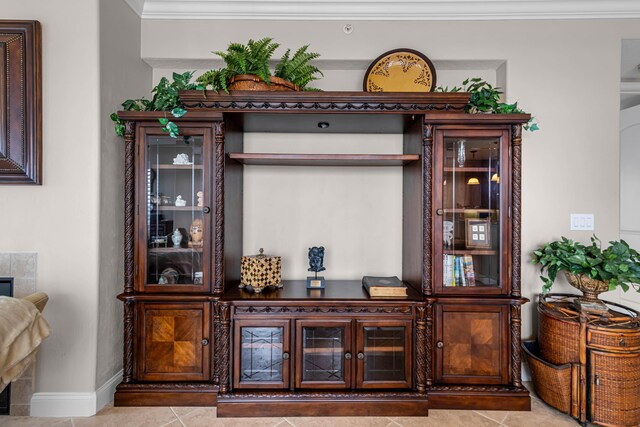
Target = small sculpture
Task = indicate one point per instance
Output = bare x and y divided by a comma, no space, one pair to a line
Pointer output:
181,159
447,233
180,201
195,231
176,238
316,257
200,195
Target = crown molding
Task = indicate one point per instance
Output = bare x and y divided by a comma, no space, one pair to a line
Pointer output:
136,5
630,87
386,9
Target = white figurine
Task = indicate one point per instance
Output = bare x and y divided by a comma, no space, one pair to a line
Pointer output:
200,198
176,238
180,201
181,159
447,233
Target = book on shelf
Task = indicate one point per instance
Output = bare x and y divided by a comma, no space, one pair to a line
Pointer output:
458,271
384,286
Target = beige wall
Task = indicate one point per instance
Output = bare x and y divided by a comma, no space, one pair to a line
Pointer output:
566,72
59,220
123,75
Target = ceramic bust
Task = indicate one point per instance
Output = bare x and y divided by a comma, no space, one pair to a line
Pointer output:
176,238
181,159
200,198
180,201
196,233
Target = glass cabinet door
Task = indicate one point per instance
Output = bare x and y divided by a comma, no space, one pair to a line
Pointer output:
384,354
323,355
262,354
469,211
177,229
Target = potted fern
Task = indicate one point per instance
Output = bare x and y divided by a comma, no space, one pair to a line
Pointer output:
247,68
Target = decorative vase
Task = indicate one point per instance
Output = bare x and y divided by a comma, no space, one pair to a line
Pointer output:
253,82
590,288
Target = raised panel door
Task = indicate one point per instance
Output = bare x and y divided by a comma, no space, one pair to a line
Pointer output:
175,342
471,344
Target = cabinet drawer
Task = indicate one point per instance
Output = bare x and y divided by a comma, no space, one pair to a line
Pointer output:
613,340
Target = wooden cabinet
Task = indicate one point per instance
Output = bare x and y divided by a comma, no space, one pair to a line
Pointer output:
452,342
174,342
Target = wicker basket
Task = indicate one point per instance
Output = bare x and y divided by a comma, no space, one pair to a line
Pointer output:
253,82
556,385
559,339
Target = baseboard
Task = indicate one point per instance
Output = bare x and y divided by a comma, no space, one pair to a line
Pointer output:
74,404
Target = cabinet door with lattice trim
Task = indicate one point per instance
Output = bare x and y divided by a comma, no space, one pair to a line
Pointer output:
472,343
174,343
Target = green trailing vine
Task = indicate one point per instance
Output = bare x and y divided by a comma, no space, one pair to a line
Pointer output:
484,98
165,98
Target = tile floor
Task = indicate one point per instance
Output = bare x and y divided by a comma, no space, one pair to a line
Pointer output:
541,415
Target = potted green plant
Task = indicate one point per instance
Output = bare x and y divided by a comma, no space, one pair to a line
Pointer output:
165,98
484,98
247,68
590,269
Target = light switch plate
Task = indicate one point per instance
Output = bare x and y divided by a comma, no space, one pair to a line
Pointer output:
582,222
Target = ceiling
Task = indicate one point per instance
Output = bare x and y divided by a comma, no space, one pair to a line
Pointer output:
385,9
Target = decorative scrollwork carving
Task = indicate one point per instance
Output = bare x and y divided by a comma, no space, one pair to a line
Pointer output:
127,370
217,330
301,395
321,106
324,309
428,347
218,286
421,357
168,386
515,345
516,187
478,388
224,355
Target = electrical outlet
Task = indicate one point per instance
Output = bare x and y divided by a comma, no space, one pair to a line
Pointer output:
582,222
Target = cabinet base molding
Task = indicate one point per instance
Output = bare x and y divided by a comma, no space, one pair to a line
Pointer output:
166,394
493,398
314,404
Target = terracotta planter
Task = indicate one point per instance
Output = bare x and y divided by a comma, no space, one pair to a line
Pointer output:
590,289
253,82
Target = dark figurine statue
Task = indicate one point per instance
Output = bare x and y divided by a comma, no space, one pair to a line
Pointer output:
316,255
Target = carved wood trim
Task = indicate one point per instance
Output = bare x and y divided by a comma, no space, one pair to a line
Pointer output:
478,389
428,343
421,357
427,183
149,387
127,370
20,102
224,355
129,205
516,365
516,192
217,330
218,286
301,395
323,309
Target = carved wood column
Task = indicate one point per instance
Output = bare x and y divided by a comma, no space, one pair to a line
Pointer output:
224,356
516,363
516,188
421,357
427,182
129,232
218,286
216,344
428,344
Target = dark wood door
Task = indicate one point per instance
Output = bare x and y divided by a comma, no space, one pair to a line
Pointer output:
472,344
174,343
383,358
261,354
323,354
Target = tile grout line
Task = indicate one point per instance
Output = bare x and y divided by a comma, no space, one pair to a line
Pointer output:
288,422
177,417
492,419
393,422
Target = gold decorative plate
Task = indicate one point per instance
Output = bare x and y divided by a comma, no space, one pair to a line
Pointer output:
400,70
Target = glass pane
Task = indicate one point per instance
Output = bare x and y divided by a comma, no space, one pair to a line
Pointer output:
384,354
261,354
323,354
174,210
471,212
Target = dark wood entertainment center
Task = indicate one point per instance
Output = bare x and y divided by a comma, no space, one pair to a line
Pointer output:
193,337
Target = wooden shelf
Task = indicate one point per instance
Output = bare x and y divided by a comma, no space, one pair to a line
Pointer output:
173,250
470,169
179,167
464,210
180,208
291,159
470,252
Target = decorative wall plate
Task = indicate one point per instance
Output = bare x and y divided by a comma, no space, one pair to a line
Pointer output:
400,70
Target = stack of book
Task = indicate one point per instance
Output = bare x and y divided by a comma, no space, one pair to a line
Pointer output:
458,270
384,286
